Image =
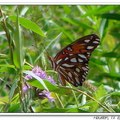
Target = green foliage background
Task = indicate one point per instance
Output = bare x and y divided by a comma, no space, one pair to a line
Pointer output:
27,32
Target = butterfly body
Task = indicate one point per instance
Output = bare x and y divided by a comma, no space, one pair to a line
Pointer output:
71,62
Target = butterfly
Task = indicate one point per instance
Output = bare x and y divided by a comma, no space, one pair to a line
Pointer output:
71,62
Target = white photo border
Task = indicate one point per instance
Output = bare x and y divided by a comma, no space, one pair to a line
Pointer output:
59,2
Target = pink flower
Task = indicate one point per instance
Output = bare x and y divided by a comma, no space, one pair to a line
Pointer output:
25,88
49,78
40,73
28,77
47,94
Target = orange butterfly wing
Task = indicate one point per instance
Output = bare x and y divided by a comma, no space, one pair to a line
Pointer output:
71,62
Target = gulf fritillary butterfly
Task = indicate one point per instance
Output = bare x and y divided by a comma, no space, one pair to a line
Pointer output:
71,62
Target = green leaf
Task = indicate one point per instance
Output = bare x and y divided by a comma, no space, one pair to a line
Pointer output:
56,39
50,86
93,106
112,16
7,66
15,99
4,100
103,28
115,94
14,108
29,25
76,23
18,50
117,47
100,93
37,84
61,110
66,9
98,61
37,78
115,76
99,10
45,84
111,55
14,86
64,31
3,56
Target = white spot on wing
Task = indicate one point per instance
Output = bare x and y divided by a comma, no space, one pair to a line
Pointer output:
58,61
84,76
66,58
67,65
86,41
76,74
77,69
70,54
85,73
96,42
69,74
82,56
70,80
90,47
97,39
83,80
80,60
73,60
84,68
69,48
62,68
77,80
